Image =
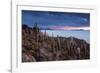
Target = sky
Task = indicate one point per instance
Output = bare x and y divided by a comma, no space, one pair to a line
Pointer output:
56,20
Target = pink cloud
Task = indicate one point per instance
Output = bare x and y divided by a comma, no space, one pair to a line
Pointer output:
69,28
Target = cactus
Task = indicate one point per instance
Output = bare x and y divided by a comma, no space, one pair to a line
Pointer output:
53,44
59,44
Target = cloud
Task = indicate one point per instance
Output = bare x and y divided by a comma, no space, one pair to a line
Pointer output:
69,28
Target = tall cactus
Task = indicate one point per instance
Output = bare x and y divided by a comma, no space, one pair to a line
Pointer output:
45,35
53,43
59,43
36,31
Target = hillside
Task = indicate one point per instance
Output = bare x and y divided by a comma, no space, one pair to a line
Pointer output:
38,46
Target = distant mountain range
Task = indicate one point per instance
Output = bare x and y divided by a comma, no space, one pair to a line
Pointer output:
63,28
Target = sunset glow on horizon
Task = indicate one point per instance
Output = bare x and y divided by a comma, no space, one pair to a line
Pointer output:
69,28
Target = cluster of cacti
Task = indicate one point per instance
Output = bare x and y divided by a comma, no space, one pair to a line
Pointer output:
39,46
